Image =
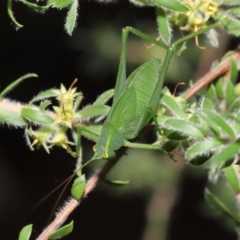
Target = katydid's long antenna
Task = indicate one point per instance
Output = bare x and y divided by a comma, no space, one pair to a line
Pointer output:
67,181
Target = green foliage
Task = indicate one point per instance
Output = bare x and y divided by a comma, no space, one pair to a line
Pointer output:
219,205
78,187
25,233
117,183
62,232
71,20
232,177
36,116
60,3
13,118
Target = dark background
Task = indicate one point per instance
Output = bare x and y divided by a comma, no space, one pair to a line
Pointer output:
42,46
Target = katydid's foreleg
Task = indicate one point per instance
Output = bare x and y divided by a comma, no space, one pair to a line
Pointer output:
170,49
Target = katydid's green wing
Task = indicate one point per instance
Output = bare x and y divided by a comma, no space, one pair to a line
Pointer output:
124,110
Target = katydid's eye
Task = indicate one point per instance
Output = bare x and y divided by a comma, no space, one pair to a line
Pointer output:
94,148
109,155
105,155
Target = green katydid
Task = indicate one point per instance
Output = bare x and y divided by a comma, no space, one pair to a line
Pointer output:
136,99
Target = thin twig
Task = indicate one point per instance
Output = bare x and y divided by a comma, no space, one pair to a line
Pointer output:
222,68
71,204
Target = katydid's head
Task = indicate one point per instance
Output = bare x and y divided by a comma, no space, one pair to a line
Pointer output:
102,153
109,141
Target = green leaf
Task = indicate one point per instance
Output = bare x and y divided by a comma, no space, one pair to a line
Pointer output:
142,2
237,89
170,145
220,87
78,187
207,104
59,3
104,97
184,127
35,6
25,233
117,183
233,70
202,148
173,135
236,122
200,159
36,116
230,94
16,82
44,105
172,106
235,105
62,232
13,118
212,95
71,20
219,205
229,22
226,154
174,5
232,178
94,110
10,14
164,29
235,10
216,122
43,95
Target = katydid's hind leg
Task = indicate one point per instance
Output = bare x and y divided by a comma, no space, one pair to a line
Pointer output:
144,146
